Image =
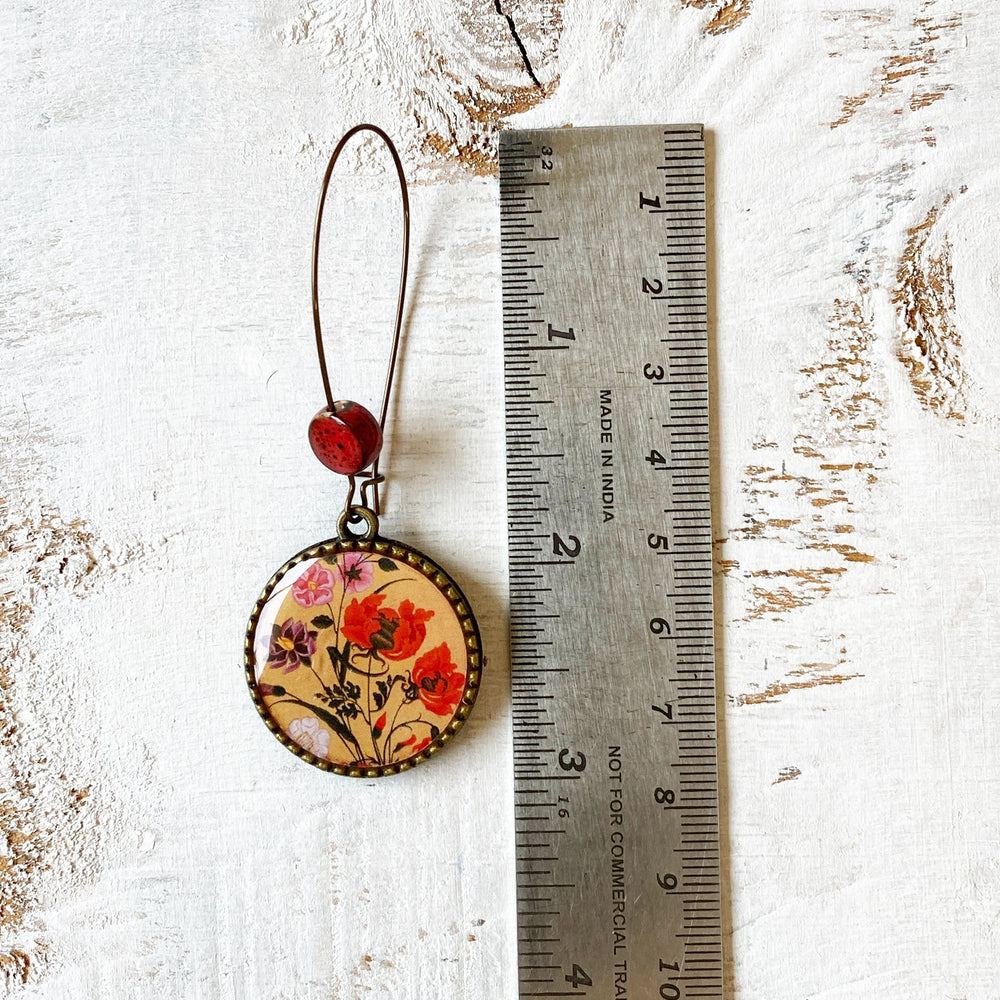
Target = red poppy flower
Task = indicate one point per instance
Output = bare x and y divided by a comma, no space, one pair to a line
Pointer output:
397,635
363,620
439,682
410,631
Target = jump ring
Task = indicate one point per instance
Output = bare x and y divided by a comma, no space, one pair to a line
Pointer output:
356,513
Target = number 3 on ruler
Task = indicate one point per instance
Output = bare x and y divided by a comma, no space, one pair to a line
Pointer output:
570,761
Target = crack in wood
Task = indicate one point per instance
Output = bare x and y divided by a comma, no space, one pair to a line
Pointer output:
449,78
518,43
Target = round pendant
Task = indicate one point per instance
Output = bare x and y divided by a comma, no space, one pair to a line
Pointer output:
362,656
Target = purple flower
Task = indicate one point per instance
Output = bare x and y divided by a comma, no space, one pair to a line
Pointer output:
292,646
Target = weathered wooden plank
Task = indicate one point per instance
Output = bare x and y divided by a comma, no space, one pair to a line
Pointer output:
160,167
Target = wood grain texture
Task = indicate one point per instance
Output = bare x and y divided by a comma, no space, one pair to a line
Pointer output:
160,166
467,68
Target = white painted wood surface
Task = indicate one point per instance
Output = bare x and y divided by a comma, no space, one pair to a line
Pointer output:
160,164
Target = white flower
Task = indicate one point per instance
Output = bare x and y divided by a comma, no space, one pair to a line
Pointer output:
308,734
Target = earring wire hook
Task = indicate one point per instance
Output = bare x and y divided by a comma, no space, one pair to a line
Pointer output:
394,349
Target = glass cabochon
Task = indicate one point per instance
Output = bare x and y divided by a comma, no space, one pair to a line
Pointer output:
363,657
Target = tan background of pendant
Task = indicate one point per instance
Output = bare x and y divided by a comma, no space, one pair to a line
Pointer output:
161,166
436,641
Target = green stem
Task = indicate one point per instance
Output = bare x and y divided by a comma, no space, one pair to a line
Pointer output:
328,692
378,753
336,619
292,700
368,673
392,725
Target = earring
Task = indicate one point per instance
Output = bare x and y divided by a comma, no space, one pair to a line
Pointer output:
362,655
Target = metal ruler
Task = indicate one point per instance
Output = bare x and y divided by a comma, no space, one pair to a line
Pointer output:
613,672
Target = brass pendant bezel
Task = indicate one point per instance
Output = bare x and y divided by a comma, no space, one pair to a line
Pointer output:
444,584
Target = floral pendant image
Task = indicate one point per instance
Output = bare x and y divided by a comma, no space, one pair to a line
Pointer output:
362,656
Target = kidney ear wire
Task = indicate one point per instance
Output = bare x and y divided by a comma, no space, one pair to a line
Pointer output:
328,443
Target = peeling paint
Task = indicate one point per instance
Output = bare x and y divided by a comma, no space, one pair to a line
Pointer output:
38,551
50,810
801,587
463,126
912,61
810,675
813,491
37,803
930,348
726,14
789,773
841,416
848,468
485,110
728,566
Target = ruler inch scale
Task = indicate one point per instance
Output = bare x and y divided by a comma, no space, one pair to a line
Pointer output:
603,249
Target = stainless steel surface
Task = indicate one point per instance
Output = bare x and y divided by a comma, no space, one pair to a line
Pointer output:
603,242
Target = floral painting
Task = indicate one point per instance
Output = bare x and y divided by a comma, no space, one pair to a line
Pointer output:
361,659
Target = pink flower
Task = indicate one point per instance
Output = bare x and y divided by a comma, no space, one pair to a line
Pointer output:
356,572
314,586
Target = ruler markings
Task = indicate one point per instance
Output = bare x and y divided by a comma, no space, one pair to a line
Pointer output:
566,759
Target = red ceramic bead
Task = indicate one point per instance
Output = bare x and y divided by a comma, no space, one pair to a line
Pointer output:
346,439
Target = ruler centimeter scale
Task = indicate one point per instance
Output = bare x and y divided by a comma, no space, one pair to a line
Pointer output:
612,646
